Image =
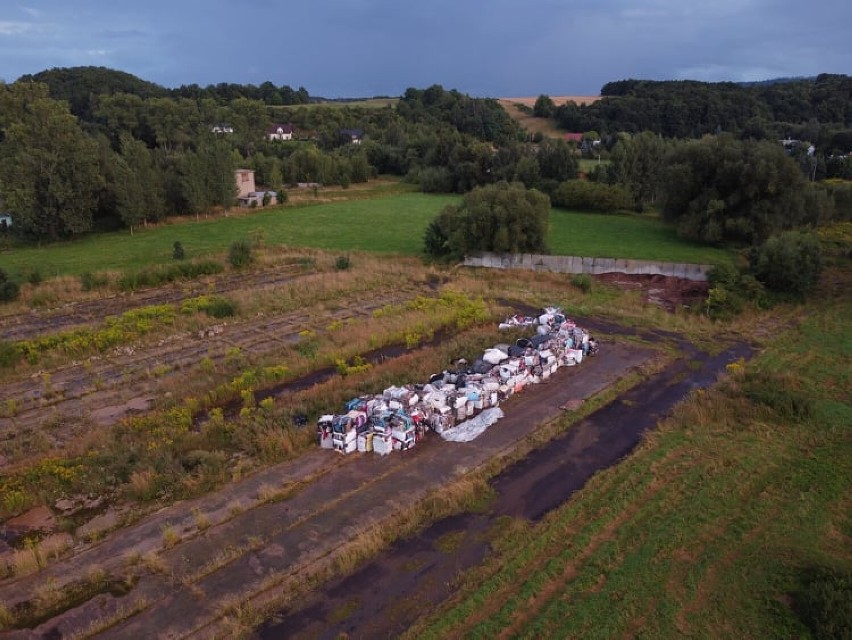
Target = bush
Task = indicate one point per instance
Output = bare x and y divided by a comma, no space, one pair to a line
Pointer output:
177,251
342,263
240,255
9,290
730,290
34,277
213,306
10,355
583,281
592,196
825,604
162,275
89,281
779,394
788,263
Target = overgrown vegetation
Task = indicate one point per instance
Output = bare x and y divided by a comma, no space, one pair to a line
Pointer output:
709,528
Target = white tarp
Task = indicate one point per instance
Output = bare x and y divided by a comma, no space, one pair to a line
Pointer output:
470,429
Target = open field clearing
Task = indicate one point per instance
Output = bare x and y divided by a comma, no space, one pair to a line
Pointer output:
210,414
390,224
574,233
544,126
529,101
157,477
707,530
393,224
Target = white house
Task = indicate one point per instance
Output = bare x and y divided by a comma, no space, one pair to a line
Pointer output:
222,128
280,132
5,221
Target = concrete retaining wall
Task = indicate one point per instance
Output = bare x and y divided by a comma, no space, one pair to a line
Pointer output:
594,266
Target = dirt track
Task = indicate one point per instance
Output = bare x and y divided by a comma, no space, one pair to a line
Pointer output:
104,389
275,543
384,597
28,325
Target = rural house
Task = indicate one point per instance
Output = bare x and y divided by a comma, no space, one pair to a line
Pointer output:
355,135
5,221
245,182
280,132
222,128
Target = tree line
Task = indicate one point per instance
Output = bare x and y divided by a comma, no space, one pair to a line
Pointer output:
134,155
818,110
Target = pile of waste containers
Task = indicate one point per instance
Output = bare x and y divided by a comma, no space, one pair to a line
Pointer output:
399,417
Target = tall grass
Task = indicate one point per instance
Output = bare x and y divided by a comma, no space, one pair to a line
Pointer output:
708,529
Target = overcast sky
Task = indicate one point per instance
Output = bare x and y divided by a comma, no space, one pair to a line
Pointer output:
493,48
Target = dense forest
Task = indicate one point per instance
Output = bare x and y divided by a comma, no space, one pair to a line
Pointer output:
91,148
818,110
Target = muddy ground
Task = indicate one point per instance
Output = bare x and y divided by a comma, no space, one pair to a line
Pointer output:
664,291
252,551
386,595
237,545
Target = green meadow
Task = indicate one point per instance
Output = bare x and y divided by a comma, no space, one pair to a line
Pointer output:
392,224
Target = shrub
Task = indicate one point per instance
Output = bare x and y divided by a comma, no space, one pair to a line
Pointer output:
730,290
161,275
8,290
177,251
240,255
34,277
213,306
788,263
778,394
342,263
825,604
89,281
583,281
592,196
10,355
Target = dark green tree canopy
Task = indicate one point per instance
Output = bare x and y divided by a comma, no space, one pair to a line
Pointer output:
543,107
503,217
49,167
722,189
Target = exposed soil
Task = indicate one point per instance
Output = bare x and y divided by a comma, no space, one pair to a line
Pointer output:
252,552
664,291
31,324
105,389
390,595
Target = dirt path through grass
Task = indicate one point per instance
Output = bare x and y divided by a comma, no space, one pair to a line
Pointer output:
389,598
227,552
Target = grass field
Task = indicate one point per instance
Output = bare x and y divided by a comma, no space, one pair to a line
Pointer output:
389,224
708,530
625,236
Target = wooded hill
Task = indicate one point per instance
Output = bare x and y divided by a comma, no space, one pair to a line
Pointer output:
815,109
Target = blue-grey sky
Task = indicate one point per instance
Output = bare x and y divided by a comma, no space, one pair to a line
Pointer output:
494,48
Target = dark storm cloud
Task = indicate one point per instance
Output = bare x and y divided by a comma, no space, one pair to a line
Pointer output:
482,47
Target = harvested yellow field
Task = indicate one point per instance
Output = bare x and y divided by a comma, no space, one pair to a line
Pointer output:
557,100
